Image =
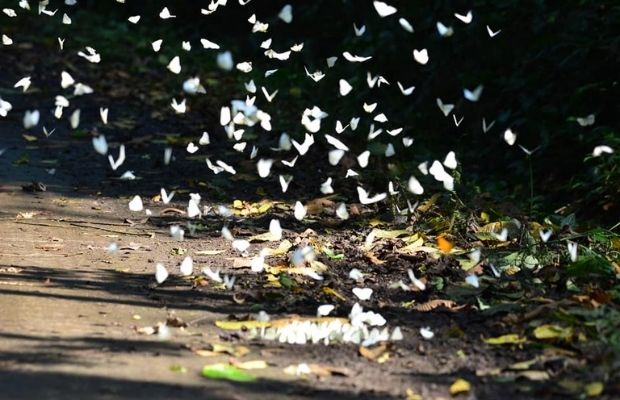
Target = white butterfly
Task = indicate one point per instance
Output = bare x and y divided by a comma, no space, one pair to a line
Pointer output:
165,197
389,150
297,47
326,187
285,181
545,235
165,14
407,91
191,148
370,107
414,186
207,44
341,211
187,266
372,133
394,132
177,232
365,199
407,141
510,137
446,109
491,33
229,281
380,118
356,274
473,280
334,156
103,113
24,83
225,61
268,96
245,66
299,211
457,122
336,143
161,273
187,46
331,61
31,118
384,9
315,76
61,43
405,25
444,31
167,155
174,65
418,283
100,145
66,20
119,161
426,333
66,79
291,163
467,18
362,293
421,56
473,95
352,58
241,245
136,204
344,87
363,159
156,45
586,121
324,310
46,133
192,86
485,127
91,55
134,19
179,108
212,275
305,146
602,149
502,236
7,41
359,31
572,250
264,167
450,160
527,151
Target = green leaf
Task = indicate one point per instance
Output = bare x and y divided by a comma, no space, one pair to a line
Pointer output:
227,372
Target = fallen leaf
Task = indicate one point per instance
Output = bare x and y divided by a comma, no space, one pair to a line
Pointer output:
433,304
374,353
594,389
511,338
460,386
444,244
208,252
548,331
276,323
250,365
226,372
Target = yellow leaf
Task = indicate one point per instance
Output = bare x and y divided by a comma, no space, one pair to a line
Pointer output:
332,292
511,338
238,204
253,364
549,331
387,234
460,386
411,395
594,389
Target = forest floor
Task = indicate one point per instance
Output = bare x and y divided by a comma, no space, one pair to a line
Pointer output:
78,322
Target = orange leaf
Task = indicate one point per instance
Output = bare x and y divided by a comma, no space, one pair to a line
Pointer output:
444,244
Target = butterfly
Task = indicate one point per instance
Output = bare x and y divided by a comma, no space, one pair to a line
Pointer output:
24,83
446,109
363,158
473,95
161,273
457,122
336,143
103,113
421,56
491,33
443,30
187,266
264,167
136,204
467,18
134,19
384,9
485,127
165,14
418,283
344,87
359,31
353,58
165,197
510,137
100,145
366,199
362,293
414,186
268,96
407,91
299,211
119,161
405,25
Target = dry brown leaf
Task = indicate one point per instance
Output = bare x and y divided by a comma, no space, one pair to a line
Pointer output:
374,353
433,304
373,259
